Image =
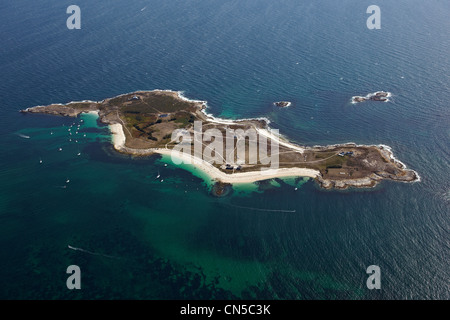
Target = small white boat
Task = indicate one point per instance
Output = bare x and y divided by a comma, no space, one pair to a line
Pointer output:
60,149
162,180
40,161
67,181
79,154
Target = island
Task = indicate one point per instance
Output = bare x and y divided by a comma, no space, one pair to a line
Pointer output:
376,96
144,122
282,104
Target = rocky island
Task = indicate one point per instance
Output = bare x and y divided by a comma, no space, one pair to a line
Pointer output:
283,104
144,123
376,96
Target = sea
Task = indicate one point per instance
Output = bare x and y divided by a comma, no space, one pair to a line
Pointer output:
72,200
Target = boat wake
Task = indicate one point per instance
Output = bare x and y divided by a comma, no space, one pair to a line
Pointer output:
259,209
92,253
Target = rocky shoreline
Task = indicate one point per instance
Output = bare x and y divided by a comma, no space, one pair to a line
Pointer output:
367,182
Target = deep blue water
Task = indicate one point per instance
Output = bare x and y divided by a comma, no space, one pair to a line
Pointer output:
240,56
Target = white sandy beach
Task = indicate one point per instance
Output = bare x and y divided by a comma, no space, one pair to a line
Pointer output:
118,140
242,177
118,136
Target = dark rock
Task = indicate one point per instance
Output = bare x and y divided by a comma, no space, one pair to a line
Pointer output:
282,104
220,189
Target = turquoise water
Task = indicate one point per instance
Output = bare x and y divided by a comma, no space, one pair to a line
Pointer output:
172,239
